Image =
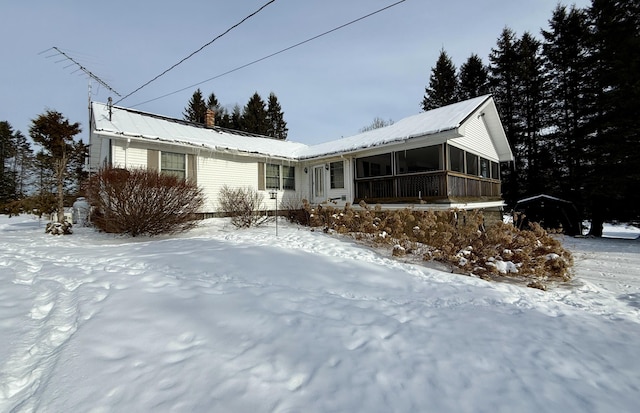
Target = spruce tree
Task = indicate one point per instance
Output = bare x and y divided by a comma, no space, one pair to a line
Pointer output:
529,115
569,100
443,84
254,116
235,121
275,118
474,78
196,110
502,71
221,115
615,125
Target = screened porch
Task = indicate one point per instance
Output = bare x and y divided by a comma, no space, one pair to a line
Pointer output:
420,174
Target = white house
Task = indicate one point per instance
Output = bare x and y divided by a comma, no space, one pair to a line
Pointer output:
446,157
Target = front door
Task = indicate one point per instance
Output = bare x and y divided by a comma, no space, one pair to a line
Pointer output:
318,184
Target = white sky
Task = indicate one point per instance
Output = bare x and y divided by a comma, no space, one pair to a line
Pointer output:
328,88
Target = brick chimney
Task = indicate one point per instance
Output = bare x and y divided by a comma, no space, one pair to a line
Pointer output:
210,118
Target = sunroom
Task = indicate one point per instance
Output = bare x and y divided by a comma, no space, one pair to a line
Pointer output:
441,173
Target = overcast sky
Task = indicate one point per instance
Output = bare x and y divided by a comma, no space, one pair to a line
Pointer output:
328,88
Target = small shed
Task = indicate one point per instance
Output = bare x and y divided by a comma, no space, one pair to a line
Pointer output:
550,212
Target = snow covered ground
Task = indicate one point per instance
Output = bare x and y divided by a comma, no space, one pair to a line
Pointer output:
221,320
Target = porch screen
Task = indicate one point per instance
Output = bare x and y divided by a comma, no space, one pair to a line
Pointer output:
370,166
456,159
419,160
472,164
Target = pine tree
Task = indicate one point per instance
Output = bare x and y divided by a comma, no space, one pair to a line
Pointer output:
53,132
236,119
222,118
502,70
254,116
529,114
7,152
569,100
275,117
615,126
196,110
474,78
443,84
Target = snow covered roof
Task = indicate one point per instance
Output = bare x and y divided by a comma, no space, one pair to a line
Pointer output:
427,123
131,123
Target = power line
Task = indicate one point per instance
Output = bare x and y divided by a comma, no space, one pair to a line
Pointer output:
200,49
272,54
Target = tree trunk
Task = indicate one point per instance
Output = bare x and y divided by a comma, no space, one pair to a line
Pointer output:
61,165
597,219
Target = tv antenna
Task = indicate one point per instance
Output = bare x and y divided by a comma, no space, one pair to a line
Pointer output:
84,69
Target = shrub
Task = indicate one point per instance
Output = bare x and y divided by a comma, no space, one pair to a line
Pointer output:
456,237
297,210
242,205
141,202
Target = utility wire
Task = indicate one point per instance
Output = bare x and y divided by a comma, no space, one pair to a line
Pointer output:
200,49
272,54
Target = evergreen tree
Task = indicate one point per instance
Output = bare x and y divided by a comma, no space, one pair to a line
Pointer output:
53,132
502,70
196,110
615,125
275,117
221,115
7,152
569,99
235,121
15,154
254,116
474,78
529,115
443,84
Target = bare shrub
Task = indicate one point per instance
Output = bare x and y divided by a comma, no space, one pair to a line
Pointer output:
296,209
243,206
141,202
455,237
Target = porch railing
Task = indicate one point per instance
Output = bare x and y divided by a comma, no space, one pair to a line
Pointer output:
433,186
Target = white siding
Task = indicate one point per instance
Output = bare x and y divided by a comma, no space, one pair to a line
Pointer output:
129,155
476,139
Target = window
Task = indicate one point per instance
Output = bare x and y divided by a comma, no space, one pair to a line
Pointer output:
456,159
336,170
272,176
419,160
484,168
472,164
495,170
173,164
288,177
378,165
